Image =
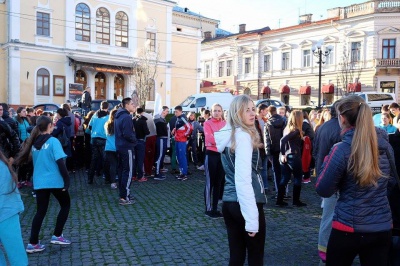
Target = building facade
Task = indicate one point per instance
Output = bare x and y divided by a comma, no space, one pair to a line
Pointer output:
361,43
51,49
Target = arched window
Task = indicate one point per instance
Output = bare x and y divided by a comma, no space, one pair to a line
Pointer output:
102,26
121,29
82,23
42,82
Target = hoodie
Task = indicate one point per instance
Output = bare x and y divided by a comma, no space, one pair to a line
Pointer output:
141,129
63,123
49,169
96,124
125,136
161,126
243,183
9,120
273,132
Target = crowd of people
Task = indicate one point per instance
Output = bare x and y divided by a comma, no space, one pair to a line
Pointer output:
353,154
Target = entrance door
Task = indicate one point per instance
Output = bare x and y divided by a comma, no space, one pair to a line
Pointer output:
100,86
119,86
80,77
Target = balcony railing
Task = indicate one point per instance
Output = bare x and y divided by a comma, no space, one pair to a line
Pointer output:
395,62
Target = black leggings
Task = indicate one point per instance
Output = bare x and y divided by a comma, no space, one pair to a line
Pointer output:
42,203
238,238
372,248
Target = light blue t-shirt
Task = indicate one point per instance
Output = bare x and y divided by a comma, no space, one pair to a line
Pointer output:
390,129
45,169
377,119
10,203
110,143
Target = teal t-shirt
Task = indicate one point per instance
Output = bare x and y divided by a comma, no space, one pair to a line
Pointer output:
45,171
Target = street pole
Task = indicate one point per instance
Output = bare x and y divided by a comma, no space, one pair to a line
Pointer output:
319,76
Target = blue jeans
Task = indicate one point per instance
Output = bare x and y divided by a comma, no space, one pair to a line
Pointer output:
180,148
161,148
292,166
11,239
140,151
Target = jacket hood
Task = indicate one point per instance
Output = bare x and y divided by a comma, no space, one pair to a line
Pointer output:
157,116
120,112
277,121
140,117
6,114
66,120
223,137
101,113
40,140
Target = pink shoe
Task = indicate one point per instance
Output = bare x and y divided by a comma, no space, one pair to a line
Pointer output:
143,179
28,183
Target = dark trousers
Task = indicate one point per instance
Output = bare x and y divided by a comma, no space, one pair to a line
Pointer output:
110,166
276,167
150,154
140,151
161,149
214,179
192,146
292,166
238,238
88,151
79,151
201,151
126,159
98,145
372,248
42,203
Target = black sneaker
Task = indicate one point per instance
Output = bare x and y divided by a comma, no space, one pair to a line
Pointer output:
299,204
159,177
183,177
281,204
213,214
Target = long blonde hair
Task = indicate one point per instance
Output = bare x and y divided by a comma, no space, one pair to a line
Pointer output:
236,113
364,157
295,121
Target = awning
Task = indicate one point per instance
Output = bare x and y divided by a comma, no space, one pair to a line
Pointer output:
207,83
328,88
305,90
284,89
118,65
266,90
354,87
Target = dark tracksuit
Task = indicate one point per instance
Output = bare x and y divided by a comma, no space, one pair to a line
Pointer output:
161,145
141,130
125,142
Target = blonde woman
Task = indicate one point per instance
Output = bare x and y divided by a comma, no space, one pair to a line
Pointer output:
243,197
291,147
325,116
358,168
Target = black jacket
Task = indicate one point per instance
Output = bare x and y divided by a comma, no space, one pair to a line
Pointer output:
161,126
140,124
9,141
326,136
273,131
11,122
86,100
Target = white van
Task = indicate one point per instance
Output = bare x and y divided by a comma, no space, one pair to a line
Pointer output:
195,102
377,99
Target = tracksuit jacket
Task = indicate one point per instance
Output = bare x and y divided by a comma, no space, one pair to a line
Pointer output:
183,129
125,137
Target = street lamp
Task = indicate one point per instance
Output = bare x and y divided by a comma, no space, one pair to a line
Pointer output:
321,55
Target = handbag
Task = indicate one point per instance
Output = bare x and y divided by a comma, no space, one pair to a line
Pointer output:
62,137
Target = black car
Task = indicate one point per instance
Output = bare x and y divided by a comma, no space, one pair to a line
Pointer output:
111,104
46,107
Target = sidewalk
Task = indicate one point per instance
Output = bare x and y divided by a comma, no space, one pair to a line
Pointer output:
166,226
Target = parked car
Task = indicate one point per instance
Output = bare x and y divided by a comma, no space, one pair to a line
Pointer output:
195,102
376,100
269,102
46,107
111,104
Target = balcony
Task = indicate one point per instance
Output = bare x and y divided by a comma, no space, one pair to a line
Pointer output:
388,63
383,6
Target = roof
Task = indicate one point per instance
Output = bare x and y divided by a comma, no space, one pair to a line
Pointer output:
221,32
258,31
188,12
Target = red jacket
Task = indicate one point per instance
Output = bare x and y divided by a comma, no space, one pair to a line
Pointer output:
210,127
183,129
306,154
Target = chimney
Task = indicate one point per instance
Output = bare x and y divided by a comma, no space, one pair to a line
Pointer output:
207,35
305,18
242,28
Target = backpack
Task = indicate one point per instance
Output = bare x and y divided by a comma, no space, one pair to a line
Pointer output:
306,154
62,137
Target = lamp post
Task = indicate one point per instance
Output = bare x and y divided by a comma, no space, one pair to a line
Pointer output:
321,54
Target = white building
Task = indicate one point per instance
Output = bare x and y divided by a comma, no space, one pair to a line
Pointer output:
280,63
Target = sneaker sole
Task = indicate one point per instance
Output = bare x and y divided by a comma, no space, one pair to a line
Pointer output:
34,251
59,242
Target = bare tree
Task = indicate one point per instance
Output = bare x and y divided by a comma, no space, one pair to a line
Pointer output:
144,74
349,69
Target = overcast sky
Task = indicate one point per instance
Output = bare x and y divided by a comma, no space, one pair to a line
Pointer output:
261,13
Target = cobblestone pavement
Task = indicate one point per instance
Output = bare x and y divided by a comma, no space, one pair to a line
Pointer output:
166,226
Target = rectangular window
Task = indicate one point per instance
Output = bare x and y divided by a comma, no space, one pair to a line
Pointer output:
329,59
221,69
229,67
267,63
43,24
355,51
285,61
306,58
208,71
42,85
247,65
388,48
151,39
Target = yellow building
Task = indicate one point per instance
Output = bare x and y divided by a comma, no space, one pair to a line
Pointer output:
49,47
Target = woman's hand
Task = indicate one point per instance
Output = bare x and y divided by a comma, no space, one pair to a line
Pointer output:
252,234
283,159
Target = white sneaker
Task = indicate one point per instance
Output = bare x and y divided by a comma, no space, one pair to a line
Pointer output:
201,168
